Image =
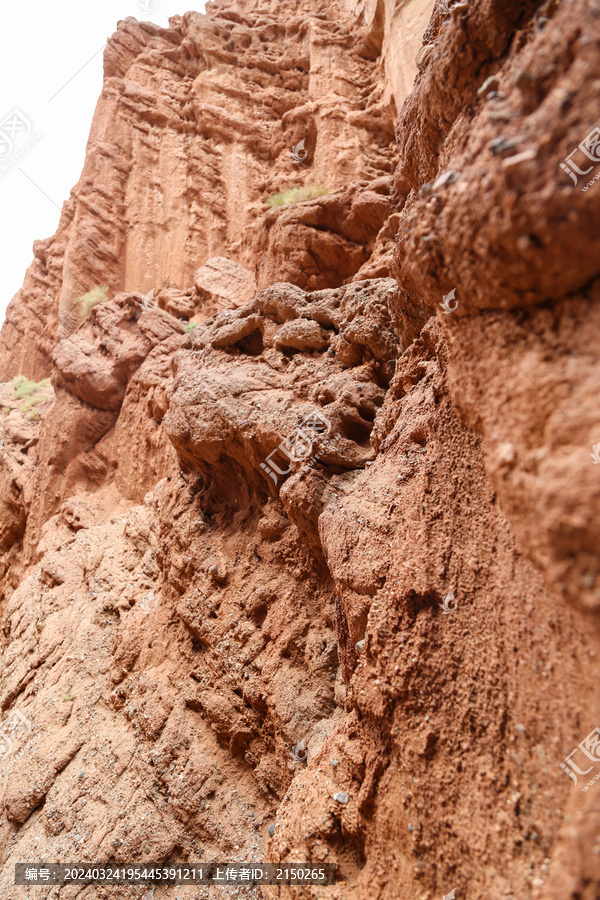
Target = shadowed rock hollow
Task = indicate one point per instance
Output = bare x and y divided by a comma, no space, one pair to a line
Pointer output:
299,545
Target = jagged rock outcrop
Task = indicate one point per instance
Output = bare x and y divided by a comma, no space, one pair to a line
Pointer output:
315,576
213,107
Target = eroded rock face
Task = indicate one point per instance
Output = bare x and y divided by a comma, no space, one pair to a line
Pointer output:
332,351
323,242
221,284
520,248
194,131
317,579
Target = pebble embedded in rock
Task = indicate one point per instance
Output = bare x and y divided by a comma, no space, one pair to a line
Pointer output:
271,830
341,797
360,645
423,56
526,156
445,178
500,145
218,573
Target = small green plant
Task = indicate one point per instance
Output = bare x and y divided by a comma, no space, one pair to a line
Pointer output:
6,410
31,402
22,387
98,294
68,695
32,393
190,326
297,195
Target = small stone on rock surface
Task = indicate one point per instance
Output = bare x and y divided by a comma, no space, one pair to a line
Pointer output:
271,830
341,797
423,56
448,177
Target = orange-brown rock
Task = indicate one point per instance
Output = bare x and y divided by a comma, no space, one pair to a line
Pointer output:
213,107
221,284
316,575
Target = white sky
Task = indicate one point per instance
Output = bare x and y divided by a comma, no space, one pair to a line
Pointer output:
51,72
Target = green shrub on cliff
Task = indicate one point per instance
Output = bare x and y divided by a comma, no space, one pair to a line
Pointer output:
32,393
93,297
297,195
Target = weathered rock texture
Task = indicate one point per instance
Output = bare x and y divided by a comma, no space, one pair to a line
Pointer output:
194,131
341,536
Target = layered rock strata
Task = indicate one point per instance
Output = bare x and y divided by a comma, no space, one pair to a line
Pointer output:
316,577
197,126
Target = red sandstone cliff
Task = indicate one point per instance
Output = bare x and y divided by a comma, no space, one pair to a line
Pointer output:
335,515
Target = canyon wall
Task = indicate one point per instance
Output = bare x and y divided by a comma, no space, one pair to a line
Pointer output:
193,133
299,553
